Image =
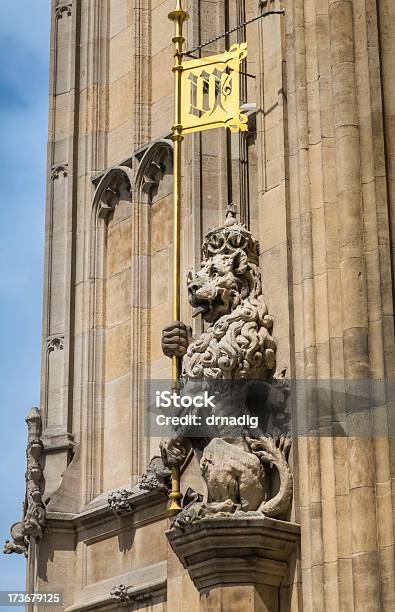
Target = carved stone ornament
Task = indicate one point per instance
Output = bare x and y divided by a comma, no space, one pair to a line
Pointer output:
120,501
155,169
237,346
33,520
157,477
63,9
155,164
116,183
59,170
127,595
19,543
121,594
55,343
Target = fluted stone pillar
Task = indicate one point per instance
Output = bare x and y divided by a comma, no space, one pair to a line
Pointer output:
338,148
57,341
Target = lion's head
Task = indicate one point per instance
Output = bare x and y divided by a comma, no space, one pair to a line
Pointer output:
221,284
227,293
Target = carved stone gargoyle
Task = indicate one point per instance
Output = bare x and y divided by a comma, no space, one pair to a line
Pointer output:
33,519
237,345
19,543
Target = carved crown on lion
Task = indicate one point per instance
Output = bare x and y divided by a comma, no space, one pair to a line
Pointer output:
229,238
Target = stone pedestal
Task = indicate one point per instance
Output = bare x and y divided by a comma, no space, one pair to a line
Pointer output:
237,563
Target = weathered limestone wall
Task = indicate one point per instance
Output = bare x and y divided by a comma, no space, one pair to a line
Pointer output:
315,182
386,46
121,81
87,555
342,294
116,417
273,185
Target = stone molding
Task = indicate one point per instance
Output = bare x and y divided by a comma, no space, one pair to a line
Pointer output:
157,157
146,594
148,507
57,440
57,374
59,169
269,5
55,343
108,189
231,550
63,9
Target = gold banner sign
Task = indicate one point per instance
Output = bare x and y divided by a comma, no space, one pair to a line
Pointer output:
210,92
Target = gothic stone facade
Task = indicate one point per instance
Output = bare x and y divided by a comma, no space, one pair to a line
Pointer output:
314,180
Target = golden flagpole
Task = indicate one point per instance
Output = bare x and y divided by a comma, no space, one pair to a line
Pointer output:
178,16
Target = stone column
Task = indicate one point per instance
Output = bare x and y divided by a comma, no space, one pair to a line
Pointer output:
343,311
58,332
273,184
386,56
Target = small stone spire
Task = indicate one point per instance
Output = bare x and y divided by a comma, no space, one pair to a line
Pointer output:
230,218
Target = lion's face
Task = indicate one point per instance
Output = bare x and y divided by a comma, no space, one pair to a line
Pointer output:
219,286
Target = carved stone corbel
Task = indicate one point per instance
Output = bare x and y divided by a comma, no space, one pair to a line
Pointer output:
245,549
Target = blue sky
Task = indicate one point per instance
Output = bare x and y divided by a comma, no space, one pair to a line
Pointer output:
24,49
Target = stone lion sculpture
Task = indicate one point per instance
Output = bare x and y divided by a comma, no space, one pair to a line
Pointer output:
236,347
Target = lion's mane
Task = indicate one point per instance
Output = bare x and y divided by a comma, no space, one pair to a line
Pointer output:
239,344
